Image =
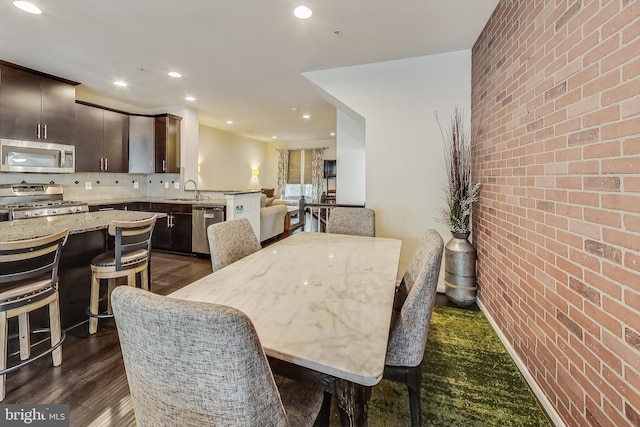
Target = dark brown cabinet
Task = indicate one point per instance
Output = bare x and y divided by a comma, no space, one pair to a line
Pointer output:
167,144
36,108
102,140
172,233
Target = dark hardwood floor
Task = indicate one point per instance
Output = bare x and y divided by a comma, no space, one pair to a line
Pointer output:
91,378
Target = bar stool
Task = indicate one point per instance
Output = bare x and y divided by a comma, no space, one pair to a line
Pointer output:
28,281
130,255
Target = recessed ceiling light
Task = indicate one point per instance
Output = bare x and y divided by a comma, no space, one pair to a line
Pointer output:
274,137
332,134
189,98
175,74
306,116
120,83
302,12
27,7
229,122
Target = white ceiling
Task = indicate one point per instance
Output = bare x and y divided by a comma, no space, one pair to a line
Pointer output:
241,59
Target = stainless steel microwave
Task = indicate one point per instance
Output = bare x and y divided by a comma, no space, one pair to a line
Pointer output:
39,157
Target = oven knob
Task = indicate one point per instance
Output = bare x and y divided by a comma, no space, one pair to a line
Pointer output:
54,211
27,214
34,213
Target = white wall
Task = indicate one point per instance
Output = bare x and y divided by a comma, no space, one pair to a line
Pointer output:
405,174
227,161
351,154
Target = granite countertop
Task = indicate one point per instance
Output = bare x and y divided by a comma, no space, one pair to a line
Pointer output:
75,223
181,201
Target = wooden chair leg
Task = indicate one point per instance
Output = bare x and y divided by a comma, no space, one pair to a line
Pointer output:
54,326
111,285
93,304
144,279
414,378
25,336
4,332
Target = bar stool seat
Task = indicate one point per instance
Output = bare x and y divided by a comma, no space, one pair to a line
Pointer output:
130,256
29,281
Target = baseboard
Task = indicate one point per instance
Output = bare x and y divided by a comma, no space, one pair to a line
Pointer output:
548,407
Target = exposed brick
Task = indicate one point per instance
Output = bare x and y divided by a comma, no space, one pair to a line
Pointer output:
584,137
609,183
572,326
555,91
584,290
535,125
632,338
545,206
621,129
632,415
570,13
603,251
627,164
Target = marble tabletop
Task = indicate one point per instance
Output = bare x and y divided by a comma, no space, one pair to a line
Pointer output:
75,223
322,301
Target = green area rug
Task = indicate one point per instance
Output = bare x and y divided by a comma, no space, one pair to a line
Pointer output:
468,379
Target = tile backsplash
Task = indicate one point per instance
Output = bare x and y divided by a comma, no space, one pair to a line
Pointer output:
104,186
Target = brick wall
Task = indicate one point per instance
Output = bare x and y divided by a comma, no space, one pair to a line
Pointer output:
556,121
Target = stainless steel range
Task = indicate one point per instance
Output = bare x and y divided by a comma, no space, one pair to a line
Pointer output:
37,200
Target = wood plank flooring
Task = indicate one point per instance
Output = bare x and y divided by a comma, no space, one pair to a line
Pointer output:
91,378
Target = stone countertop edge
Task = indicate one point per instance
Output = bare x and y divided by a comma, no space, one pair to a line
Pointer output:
76,223
184,201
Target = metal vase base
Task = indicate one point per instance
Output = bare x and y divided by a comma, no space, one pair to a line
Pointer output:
460,270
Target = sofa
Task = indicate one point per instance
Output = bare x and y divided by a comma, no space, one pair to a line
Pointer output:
277,199
271,218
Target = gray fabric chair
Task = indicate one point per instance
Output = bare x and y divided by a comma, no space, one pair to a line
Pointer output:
230,241
354,221
197,364
416,296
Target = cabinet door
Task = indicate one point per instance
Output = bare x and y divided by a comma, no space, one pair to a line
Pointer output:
116,142
20,104
89,135
167,144
181,232
58,111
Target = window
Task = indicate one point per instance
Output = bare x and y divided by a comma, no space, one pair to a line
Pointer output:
299,175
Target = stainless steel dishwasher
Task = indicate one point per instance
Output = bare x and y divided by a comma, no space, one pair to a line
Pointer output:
201,218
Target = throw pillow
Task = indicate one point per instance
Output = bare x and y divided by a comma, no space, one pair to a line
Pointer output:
270,201
268,191
263,200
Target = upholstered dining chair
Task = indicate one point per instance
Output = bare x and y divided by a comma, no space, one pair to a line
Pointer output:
29,281
131,255
230,241
416,294
198,364
354,221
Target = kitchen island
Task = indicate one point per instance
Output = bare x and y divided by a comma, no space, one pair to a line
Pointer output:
76,223
87,238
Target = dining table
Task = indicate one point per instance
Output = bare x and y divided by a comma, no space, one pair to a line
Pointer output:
321,305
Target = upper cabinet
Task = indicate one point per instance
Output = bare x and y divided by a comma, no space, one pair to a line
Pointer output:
102,140
141,144
35,107
167,144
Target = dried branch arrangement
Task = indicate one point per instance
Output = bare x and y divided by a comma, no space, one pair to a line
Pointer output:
460,192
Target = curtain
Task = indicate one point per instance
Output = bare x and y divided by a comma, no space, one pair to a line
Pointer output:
317,173
283,170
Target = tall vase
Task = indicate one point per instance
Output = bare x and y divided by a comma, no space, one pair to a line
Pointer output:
460,270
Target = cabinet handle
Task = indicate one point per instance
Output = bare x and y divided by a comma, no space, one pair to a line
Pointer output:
100,163
164,166
168,221
38,131
45,131
106,163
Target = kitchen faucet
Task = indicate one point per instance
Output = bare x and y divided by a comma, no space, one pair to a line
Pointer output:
196,195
